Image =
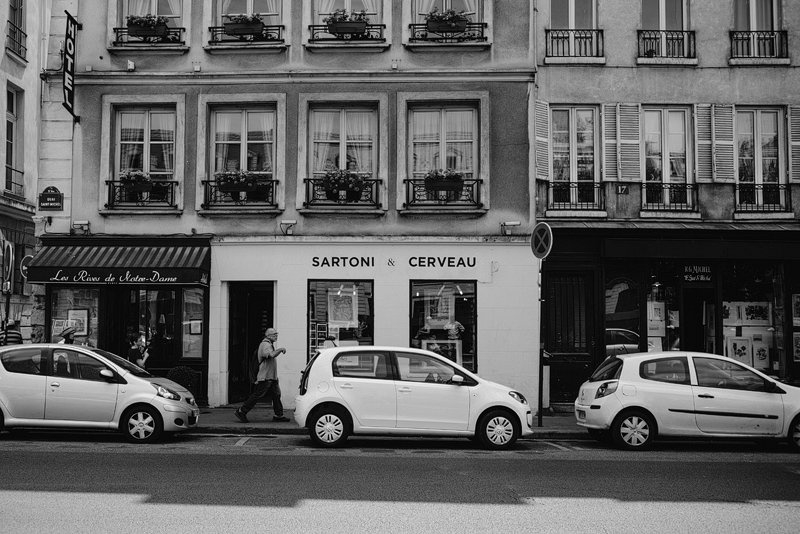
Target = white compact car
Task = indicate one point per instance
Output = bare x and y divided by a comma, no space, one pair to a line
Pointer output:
71,386
633,398
404,391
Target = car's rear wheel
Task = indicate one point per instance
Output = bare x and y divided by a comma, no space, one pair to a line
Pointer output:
497,430
142,424
329,427
794,434
633,430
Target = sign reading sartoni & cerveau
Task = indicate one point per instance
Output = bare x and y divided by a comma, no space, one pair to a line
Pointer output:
452,262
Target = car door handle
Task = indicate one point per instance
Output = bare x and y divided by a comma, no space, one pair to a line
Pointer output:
706,396
405,389
55,385
346,386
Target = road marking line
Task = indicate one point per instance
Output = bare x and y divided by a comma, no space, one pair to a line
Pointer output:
241,442
557,446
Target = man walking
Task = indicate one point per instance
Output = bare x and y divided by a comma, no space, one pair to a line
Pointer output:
267,379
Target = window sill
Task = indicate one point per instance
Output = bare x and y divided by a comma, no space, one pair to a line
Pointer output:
341,211
174,212
593,214
237,212
667,214
376,46
159,49
574,60
667,61
762,215
16,58
245,47
759,61
450,212
448,47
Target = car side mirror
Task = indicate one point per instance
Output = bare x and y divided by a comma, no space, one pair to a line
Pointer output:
457,380
772,387
109,375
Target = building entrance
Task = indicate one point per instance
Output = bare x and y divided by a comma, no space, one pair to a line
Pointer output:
697,325
250,314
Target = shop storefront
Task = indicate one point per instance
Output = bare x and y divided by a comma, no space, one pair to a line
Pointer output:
473,302
728,293
115,290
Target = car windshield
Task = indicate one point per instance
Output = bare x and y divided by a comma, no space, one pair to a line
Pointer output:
608,370
135,370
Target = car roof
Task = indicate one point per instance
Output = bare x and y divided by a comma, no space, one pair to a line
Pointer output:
387,348
665,354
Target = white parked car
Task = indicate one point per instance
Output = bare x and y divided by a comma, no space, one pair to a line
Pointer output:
404,391
72,386
633,398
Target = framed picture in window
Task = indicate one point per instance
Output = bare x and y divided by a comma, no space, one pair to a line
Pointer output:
796,309
756,313
449,348
342,309
740,349
731,314
80,320
796,346
439,309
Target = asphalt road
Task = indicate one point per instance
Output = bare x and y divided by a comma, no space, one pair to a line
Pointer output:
194,483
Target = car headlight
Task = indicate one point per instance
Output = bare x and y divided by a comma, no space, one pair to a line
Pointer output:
161,391
516,395
605,389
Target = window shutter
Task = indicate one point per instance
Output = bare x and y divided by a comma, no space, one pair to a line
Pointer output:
542,133
630,159
724,164
794,142
704,162
610,172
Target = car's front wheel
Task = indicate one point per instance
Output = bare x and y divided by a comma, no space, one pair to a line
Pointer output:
329,427
794,434
141,424
497,430
633,430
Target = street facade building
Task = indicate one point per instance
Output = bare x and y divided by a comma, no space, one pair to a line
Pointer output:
20,66
348,180
667,163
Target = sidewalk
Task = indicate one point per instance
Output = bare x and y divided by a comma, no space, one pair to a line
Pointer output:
220,420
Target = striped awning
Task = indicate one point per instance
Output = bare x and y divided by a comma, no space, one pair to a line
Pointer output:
114,264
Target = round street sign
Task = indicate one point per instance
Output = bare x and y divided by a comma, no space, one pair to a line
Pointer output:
541,240
23,265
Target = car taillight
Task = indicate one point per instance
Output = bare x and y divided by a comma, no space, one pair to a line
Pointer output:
605,389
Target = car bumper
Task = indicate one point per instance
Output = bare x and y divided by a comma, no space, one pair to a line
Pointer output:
301,407
599,414
179,417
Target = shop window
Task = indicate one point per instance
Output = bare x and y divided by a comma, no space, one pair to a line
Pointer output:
752,314
340,313
152,312
663,310
622,334
77,307
193,320
444,319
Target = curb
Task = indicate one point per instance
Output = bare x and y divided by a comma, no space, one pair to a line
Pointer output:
256,431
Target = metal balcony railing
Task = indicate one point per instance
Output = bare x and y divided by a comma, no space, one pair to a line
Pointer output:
475,32
317,196
16,40
268,34
320,34
159,194
763,198
574,43
258,194
667,43
15,182
759,44
419,195
575,196
669,197
172,36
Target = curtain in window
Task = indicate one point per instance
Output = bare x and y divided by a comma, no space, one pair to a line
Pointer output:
372,6
423,7
174,7
325,134
227,137
131,139
471,6
764,16
138,7
272,6
741,15
425,139
745,140
584,14
323,8
162,138
359,141
259,153
459,140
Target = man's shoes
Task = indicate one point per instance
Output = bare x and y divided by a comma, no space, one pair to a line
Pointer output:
280,419
240,416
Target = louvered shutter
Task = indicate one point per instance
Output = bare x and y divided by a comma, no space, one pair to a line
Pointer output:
542,133
794,142
610,172
724,164
704,159
630,159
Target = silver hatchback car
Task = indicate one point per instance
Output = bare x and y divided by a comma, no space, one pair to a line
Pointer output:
71,386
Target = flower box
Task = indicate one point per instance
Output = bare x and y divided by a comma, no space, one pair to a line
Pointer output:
348,195
243,28
454,185
139,30
441,26
347,27
234,187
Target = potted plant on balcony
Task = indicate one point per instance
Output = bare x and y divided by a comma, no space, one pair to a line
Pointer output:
444,180
341,22
243,24
342,182
136,181
236,181
147,25
447,21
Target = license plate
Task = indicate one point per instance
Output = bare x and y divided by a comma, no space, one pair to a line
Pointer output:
581,414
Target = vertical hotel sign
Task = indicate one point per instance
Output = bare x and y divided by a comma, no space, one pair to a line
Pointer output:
70,39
